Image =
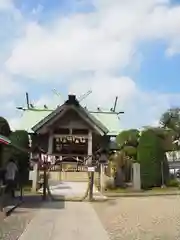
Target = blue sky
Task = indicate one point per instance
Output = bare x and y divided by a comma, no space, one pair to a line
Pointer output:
159,71
114,48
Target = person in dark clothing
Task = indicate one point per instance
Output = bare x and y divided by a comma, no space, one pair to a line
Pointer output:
10,177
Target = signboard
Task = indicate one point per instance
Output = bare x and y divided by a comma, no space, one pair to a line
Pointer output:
91,169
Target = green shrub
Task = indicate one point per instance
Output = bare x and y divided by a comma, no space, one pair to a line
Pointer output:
149,155
4,127
173,183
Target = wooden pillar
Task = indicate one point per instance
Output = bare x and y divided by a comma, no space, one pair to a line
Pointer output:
91,177
50,143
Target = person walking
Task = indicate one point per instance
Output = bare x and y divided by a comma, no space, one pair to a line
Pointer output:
10,177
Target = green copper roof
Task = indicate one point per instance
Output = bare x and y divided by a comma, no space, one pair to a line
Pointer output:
109,120
32,117
74,105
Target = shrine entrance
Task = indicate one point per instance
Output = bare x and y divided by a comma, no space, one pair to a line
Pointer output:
70,152
69,136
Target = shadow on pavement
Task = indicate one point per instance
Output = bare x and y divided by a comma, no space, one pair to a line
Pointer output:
35,202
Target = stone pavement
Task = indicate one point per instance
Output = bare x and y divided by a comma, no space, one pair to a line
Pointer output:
76,221
66,220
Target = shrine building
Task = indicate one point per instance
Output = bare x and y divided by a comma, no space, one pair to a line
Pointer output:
70,131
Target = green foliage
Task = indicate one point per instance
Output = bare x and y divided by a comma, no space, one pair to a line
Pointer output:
129,137
4,127
173,183
166,137
128,140
150,154
130,151
171,119
20,139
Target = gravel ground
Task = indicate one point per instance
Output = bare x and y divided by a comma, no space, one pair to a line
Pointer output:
145,218
13,226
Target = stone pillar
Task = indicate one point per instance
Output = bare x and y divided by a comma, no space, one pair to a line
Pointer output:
103,160
136,177
34,177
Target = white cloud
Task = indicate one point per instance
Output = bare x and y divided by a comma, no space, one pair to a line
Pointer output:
102,42
9,87
8,111
141,108
51,100
14,123
6,4
104,88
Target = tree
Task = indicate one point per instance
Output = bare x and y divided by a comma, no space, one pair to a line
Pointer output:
171,120
128,141
165,136
21,139
128,136
150,155
4,127
119,160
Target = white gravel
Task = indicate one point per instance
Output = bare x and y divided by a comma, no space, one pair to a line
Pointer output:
146,218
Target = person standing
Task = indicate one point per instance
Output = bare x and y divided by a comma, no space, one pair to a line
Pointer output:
10,177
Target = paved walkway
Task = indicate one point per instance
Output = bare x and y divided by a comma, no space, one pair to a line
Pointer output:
71,189
66,220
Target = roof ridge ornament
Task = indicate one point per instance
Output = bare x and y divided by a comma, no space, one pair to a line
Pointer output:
72,100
